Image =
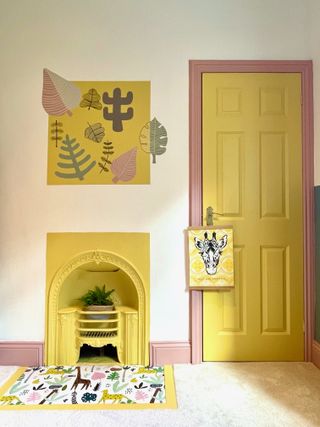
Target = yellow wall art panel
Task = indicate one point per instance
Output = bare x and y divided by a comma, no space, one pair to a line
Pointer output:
210,256
96,141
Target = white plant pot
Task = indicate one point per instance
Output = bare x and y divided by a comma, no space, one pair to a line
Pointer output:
99,308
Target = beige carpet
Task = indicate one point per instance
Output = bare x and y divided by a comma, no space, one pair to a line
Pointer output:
210,394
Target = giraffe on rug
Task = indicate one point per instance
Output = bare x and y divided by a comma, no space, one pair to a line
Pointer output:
85,383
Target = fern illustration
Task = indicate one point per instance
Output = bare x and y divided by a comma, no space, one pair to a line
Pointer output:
107,151
72,160
56,131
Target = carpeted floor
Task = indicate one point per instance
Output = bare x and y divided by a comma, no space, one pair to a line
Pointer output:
210,394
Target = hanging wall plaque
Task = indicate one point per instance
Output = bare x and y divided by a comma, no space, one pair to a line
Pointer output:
210,257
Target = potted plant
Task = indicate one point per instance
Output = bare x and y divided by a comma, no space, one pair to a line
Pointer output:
98,299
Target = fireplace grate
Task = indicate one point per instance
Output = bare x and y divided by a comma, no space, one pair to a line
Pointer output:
98,334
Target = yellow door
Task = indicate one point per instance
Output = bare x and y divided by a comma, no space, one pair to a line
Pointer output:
252,174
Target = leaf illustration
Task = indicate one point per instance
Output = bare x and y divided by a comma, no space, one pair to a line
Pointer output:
32,371
15,388
116,387
153,138
56,131
58,381
102,167
91,100
160,396
59,96
124,167
68,370
97,387
72,160
98,376
94,132
113,376
56,397
39,387
33,397
155,379
107,151
140,386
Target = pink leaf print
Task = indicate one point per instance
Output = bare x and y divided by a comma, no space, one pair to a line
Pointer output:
33,397
98,376
58,95
141,395
124,167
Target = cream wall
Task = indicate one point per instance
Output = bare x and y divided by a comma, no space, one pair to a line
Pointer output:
115,40
314,47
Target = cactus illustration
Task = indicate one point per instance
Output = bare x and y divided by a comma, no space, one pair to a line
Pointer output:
117,116
72,160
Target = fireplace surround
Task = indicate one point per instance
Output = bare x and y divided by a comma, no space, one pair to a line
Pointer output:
77,262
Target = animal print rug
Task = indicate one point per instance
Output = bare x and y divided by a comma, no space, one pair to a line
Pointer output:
89,387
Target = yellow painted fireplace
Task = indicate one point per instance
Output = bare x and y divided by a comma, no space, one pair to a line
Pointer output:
77,262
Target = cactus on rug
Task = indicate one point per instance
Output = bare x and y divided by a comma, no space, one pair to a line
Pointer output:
89,387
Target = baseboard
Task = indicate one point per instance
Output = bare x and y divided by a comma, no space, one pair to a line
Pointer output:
316,353
21,353
30,353
170,352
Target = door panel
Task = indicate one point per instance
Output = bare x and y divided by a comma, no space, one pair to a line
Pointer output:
273,186
252,174
275,290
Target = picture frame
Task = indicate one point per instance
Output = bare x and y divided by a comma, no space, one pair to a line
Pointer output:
209,256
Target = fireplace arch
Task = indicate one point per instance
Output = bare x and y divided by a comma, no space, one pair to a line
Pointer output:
56,316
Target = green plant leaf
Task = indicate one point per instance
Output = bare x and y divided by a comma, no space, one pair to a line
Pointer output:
98,296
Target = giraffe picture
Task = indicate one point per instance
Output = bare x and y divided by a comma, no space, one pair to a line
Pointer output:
210,257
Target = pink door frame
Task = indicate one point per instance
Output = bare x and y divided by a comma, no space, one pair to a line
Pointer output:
196,68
